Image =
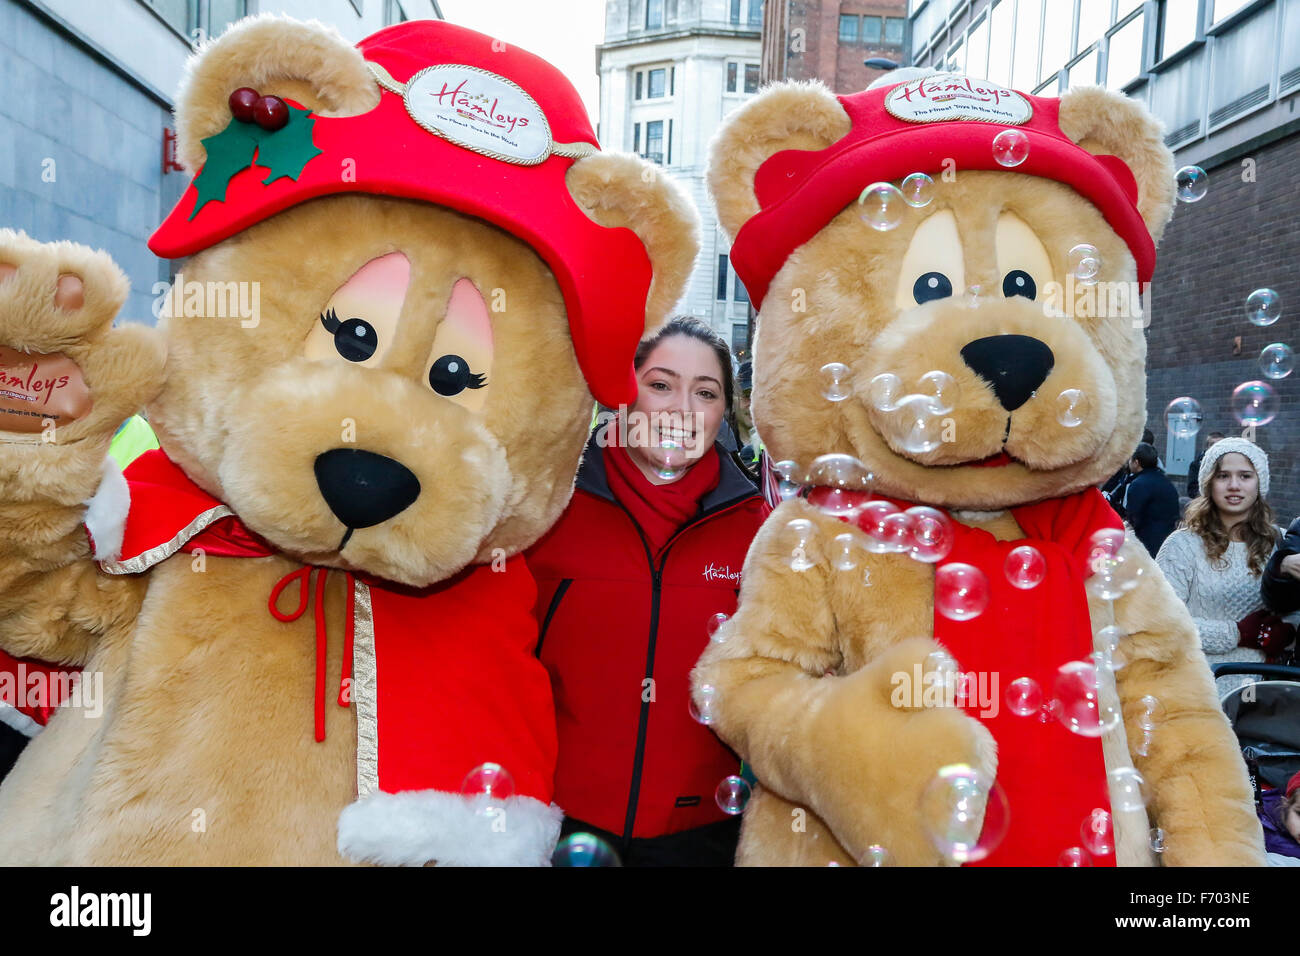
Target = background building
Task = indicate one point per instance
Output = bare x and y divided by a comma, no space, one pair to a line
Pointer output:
87,102
827,40
1222,75
670,70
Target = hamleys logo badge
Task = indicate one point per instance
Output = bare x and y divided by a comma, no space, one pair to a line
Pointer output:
944,97
480,111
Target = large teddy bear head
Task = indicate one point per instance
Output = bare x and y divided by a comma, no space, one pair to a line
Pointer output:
978,332
383,351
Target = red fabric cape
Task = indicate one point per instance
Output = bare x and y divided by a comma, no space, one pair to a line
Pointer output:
1052,778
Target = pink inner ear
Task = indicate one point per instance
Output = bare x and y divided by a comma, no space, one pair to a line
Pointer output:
382,281
468,313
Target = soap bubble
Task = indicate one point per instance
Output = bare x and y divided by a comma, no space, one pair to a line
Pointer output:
706,709
876,854
1152,713
732,795
1254,403
1192,183
584,849
918,190
931,532
790,479
965,813
672,459
1024,697
801,544
888,529
944,391
1085,263
973,296
881,206
1050,711
844,554
1025,567
1263,307
1097,833
1072,407
1082,711
714,627
491,779
1112,575
1074,856
1010,147
836,384
842,482
1108,639
961,591
925,427
1142,744
1127,789
942,665
1183,417
1277,360
883,392
1156,838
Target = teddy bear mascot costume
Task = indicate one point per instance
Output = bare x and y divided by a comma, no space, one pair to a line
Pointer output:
307,609
946,650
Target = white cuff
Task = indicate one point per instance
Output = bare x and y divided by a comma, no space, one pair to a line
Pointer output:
106,513
430,826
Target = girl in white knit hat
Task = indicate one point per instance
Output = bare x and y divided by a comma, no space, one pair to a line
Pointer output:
1215,558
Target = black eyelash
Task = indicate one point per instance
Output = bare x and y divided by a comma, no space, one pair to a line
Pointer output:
330,320
476,380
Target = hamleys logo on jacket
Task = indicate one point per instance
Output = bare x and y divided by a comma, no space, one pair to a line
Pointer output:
720,572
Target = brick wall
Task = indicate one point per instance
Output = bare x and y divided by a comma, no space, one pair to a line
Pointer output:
837,65
1240,237
80,150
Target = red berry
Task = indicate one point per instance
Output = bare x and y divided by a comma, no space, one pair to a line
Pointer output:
270,113
241,104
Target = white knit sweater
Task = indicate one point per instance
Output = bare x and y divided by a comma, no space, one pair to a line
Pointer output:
1217,598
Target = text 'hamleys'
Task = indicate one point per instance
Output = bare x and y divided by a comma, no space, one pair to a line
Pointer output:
945,97
480,111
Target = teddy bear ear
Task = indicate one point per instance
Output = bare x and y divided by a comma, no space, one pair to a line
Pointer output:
791,115
310,63
622,190
1107,123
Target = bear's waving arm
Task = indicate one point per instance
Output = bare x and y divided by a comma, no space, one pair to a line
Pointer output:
1199,792
57,303
837,744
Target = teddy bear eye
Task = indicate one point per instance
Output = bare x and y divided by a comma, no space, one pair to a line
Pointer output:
1019,282
451,375
354,339
931,286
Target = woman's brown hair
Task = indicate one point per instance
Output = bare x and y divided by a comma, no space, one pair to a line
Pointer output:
1257,531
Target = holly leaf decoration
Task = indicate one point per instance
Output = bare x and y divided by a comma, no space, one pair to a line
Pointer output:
286,151
228,152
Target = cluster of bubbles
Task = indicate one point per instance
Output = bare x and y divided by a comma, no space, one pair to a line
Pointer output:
883,205
1253,403
916,416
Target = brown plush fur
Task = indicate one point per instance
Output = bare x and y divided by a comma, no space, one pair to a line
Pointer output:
204,752
802,678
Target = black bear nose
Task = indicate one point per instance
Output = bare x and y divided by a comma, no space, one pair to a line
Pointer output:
1014,365
362,488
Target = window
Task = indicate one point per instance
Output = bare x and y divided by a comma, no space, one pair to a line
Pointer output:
739,337
871,29
194,20
1094,18
1056,36
722,278
1124,56
1177,25
1178,96
957,58
359,6
1242,67
393,12
672,79
669,160
656,84
638,84
755,13
894,30
1084,72
654,141
751,77
1024,73
731,77
848,29
654,14
735,11
1226,8
1125,7
1000,38
977,49
740,293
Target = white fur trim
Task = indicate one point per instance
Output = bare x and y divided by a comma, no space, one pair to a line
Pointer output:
422,826
106,512
15,718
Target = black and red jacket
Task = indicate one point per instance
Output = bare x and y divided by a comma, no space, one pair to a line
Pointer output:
632,760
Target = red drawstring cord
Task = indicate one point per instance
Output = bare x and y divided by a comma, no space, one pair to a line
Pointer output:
303,577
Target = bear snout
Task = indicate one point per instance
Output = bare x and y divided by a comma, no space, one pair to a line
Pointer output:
1014,365
363,488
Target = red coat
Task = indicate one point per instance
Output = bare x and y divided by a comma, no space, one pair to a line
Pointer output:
632,760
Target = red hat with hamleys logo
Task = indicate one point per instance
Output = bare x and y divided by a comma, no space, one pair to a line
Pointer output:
916,127
464,121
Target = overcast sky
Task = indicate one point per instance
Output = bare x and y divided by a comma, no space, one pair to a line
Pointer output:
565,32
